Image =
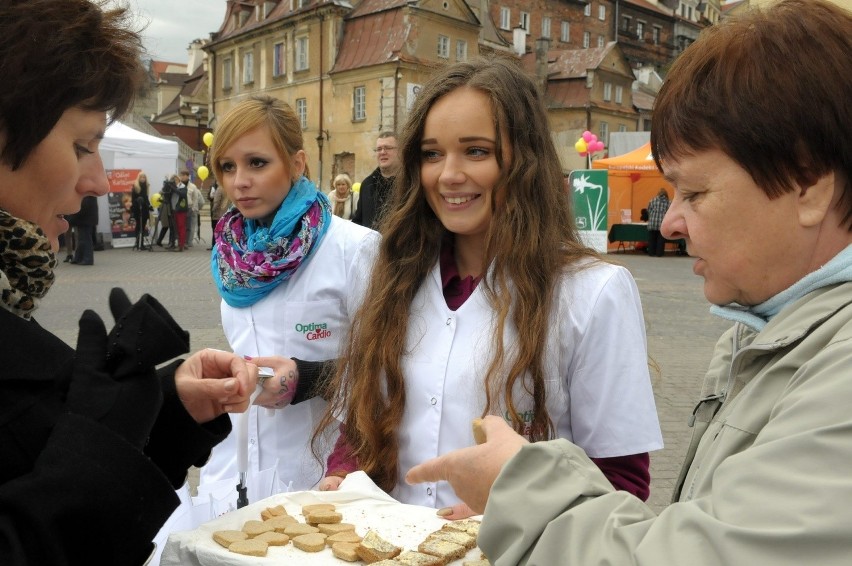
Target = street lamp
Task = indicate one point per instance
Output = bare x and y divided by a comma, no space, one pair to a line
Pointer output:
196,111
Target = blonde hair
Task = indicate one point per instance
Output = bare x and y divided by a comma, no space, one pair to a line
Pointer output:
342,177
255,112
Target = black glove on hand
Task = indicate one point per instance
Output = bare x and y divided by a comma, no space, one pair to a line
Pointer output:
144,335
128,406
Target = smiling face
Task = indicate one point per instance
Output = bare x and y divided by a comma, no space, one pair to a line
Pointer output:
255,176
61,170
748,247
459,167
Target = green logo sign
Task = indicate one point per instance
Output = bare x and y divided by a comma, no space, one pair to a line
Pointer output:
590,194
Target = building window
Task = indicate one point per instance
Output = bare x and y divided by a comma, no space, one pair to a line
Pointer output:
278,60
565,33
505,18
443,47
622,128
587,39
587,10
625,23
604,133
301,53
302,112
525,21
602,12
461,50
601,41
359,103
607,92
227,73
640,30
545,27
248,67
655,35
619,94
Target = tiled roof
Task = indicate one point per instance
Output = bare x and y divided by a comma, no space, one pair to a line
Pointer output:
372,39
648,6
375,6
569,63
643,100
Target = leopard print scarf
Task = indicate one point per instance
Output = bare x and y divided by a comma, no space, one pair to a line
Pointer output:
26,265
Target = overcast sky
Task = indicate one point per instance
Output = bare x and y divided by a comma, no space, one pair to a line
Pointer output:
173,24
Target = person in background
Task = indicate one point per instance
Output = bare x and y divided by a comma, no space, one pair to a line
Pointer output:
180,208
656,211
140,209
343,199
85,223
751,128
94,439
493,304
195,202
219,204
166,214
290,275
376,188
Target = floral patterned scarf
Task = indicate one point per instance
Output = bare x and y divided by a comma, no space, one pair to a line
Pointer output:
26,265
250,259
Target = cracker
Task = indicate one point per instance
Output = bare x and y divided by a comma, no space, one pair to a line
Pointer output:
470,526
334,528
250,547
273,538
345,551
313,542
254,528
308,509
227,538
411,558
345,536
323,516
282,522
297,529
464,539
373,548
445,549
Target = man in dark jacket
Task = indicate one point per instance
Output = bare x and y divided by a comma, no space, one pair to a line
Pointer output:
85,222
376,188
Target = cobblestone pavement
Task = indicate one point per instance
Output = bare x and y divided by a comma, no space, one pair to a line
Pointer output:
680,330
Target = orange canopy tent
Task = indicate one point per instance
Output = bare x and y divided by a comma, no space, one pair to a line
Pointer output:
633,181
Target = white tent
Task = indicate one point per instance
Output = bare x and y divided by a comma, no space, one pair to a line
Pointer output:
126,148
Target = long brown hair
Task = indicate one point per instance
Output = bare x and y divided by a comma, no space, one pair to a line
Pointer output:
530,243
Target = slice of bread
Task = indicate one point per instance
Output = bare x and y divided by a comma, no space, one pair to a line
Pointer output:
411,558
445,549
227,538
273,538
313,542
250,547
480,562
334,528
345,551
254,528
345,536
470,526
373,548
468,541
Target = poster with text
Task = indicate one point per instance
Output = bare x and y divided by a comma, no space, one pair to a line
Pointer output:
590,194
120,199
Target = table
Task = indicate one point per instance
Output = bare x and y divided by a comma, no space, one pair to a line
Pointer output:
637,232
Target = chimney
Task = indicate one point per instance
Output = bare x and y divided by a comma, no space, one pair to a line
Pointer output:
542,46
519,40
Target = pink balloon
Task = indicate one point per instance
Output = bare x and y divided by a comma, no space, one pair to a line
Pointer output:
594,139
599,146
584,153
587,136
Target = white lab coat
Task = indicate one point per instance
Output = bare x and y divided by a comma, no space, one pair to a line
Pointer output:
306,317
599,395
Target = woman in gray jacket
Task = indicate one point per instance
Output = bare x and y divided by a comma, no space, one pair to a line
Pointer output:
751,128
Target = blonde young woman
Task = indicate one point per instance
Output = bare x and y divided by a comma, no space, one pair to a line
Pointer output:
287,271
343,199
484,301
139,209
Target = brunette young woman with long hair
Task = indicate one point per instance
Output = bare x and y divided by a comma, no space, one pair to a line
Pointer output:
483,301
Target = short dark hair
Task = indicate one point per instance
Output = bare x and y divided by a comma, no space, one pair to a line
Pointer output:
60,54
771,90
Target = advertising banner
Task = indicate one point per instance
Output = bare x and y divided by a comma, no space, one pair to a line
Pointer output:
590,194
120,199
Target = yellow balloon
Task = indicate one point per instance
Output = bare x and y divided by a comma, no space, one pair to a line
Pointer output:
356,187
156,200
581,145
203,172
207,139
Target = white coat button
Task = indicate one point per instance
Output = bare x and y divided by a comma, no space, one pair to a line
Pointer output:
428,491
433,401
449,320
251,441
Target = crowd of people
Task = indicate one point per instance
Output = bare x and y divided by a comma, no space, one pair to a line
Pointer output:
459,289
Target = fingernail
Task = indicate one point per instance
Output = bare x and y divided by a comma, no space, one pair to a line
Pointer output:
247,357
230,384
444,511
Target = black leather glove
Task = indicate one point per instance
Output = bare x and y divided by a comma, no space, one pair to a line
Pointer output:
144,335
113,380
128,406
